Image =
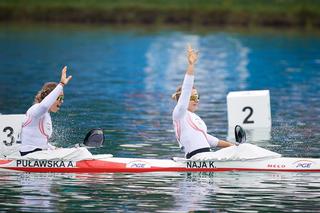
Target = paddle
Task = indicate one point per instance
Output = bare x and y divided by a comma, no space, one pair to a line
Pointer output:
93,139
240,134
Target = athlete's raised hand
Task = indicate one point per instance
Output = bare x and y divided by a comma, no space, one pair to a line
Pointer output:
64,79
192,55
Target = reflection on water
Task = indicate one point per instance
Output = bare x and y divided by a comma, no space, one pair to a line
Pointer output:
123,81
222,58
162,192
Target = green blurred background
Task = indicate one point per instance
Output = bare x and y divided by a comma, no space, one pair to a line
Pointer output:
303,14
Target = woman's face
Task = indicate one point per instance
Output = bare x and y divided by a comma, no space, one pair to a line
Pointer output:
194,101
57,104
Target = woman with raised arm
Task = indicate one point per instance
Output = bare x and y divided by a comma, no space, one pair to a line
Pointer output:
37,128
190,129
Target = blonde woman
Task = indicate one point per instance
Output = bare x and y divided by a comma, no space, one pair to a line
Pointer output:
190,129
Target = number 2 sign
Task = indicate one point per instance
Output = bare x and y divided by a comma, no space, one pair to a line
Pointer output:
246,120
250,109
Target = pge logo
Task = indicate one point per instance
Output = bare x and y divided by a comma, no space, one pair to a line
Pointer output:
304,164
138,164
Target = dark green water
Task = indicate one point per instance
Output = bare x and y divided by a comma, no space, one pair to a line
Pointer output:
122,82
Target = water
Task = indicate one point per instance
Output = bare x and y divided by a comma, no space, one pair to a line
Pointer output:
161,192
122,82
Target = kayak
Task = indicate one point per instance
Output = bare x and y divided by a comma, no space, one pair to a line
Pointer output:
109,164
243,157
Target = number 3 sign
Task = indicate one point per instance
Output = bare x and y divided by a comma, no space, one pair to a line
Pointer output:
10,128
250,109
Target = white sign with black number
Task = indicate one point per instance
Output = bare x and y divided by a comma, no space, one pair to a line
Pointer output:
250,109
10,129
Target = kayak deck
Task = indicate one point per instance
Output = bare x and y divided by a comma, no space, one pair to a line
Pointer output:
135,165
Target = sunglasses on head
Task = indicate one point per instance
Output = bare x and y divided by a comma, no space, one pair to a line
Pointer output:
195,97
60,98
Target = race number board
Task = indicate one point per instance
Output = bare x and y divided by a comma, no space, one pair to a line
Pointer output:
10,129
250,109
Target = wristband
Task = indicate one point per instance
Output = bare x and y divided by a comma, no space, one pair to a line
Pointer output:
62,83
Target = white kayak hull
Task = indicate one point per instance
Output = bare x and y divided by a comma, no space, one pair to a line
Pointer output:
109,164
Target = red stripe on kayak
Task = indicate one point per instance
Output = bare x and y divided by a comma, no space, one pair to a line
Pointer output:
5,161
89,169
100,164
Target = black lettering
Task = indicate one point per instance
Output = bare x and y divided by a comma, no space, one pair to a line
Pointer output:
62,164
36,164
49,163
194,165
211,164
55,164
24,163
29,163
246,120
10,135
43,163
204,165
18,162
201,164
70,164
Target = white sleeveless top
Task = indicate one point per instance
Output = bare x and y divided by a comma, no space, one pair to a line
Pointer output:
37,128
190,129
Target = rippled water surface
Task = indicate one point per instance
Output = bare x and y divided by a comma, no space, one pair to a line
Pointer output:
122,82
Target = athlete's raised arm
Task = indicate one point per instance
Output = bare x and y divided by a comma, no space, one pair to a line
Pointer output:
183,93
47,97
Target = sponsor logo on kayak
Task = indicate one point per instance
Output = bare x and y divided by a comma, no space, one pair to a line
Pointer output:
201,164
138,164
44,163
304,164
279,166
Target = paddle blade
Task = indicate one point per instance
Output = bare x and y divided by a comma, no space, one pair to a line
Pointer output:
94,138
240,134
